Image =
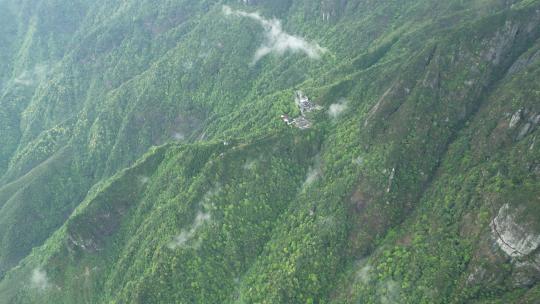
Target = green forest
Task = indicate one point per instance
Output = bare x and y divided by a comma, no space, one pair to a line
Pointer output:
269,151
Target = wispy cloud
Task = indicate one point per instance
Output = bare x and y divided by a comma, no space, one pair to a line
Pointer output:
186,235
313,174
39,279
178,136
364,274
250,164
276,40
143,179
390,292
32,77
24,79
336,109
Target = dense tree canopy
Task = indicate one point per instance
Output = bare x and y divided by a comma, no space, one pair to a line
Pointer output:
143,157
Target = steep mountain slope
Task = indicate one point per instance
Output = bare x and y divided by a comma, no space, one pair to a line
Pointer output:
143,159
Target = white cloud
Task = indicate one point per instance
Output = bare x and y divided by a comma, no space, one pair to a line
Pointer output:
34,76
250,164
312,175
186,235
178,136
143,179
207,200
24,79
364,274
337,109
390,293
276,40
181,239
39,279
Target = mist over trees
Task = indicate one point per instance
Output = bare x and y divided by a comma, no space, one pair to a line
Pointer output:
269,151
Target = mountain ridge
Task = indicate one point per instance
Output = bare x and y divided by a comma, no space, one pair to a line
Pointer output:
153,143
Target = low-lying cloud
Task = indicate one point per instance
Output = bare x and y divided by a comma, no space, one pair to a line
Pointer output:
178,136
186,235
207,201
390,293
364,274
336,109
313,174
39,279
24,79
34,76
143,179
250,164
277,41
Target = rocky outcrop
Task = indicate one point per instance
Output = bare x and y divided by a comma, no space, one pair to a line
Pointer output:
511,235
524,122
523,63
516,118
501,43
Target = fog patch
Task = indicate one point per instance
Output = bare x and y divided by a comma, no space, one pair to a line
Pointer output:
179,136
143,180
336,109
33,76
364,274
277,41
249,165
39,279
186,235
313,174
390,292
24,79
207,200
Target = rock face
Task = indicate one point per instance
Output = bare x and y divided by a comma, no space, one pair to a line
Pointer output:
331,9
524,131
525,121
523,63
516,118
511,236
180,184
501,43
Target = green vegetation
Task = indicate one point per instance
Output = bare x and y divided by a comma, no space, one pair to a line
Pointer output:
143,158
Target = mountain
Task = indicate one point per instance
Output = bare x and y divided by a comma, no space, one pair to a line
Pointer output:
269,151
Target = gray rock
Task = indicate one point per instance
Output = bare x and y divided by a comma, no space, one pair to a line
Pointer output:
511,236
535,119
524,131
523,63
477,275
526,273
516,118
501,43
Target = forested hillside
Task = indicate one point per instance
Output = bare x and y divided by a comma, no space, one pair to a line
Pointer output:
269,151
